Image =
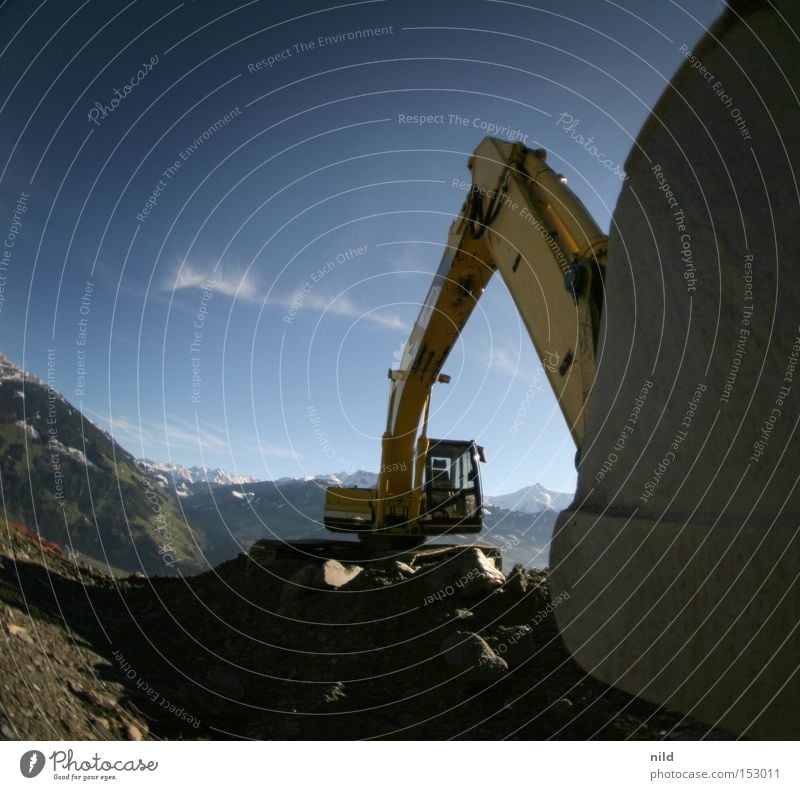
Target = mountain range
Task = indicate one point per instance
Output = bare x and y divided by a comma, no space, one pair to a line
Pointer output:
66,479
190,480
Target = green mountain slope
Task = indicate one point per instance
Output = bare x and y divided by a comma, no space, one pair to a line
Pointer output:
64,477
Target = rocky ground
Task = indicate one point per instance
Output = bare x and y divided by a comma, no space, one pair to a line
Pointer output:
285,645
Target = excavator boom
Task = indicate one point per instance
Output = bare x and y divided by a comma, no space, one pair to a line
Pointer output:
519,218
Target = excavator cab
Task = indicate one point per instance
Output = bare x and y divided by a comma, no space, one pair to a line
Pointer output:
450,497
451,488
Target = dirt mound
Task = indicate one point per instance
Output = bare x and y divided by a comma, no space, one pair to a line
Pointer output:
292,644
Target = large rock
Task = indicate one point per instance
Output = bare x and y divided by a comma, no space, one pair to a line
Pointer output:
328,575
468,575
517,581
515,645
469,656
333,574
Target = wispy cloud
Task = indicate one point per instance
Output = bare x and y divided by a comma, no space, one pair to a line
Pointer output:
343,306
232,280
239,283
420,259
501,361
507,363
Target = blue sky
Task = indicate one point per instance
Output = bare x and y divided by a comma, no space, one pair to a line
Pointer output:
247,245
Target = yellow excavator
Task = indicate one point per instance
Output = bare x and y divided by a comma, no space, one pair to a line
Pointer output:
681,550
520,218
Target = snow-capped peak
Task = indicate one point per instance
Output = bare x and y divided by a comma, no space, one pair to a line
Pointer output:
11,372
532,499
359,479
194,474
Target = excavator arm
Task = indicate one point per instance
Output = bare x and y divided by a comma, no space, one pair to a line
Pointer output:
519,218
